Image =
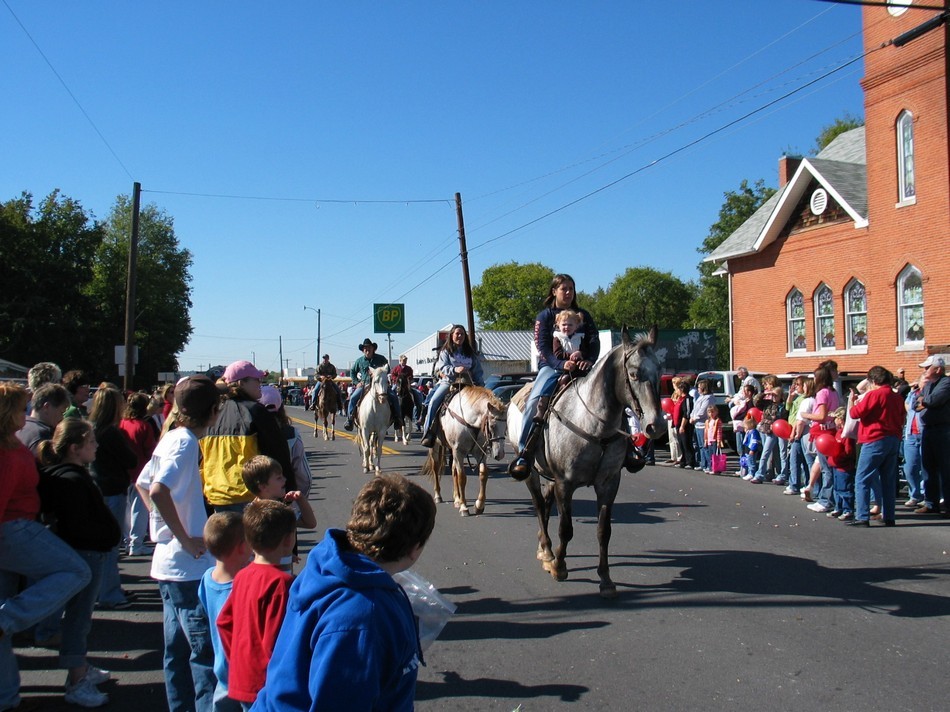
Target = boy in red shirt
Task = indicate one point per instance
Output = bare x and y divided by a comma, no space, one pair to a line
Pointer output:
842,465
252,616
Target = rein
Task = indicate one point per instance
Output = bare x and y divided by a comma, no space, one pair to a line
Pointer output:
485,429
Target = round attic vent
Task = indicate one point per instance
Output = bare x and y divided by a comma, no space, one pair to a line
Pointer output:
898,7
819,201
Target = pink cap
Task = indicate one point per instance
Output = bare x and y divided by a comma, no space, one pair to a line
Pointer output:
240,370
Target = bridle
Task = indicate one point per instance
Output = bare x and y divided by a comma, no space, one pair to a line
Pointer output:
486,429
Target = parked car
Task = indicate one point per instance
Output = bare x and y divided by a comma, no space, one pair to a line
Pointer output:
501,379
724,385
506,391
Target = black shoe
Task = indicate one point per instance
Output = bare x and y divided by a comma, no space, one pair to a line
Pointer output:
890,523
519,469
860,523
428,440
348,425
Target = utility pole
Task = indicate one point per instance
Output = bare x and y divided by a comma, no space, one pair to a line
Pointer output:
463,253
130,289
318,329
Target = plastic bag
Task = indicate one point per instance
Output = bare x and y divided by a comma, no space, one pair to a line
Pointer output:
431,608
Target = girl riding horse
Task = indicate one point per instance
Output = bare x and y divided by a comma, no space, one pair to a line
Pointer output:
458,363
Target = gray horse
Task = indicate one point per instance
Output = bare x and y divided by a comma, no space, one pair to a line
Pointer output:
585,440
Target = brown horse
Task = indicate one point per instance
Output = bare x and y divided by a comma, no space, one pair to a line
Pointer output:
328,403
473,425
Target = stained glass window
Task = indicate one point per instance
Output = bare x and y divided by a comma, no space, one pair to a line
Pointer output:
825,317
910,306
795,308
905,156
856,302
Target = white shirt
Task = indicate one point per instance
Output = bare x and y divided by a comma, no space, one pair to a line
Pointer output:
174,464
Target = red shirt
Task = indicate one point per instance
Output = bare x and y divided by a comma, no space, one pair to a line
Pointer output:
845,459
19,498
249,624
880,413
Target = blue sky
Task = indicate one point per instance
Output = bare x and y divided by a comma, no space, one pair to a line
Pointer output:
309,152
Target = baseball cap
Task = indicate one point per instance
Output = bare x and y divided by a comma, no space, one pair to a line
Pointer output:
196,395
240,370
270,398
933,361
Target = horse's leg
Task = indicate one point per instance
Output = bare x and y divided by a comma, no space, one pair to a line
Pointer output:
542,508
379,450
606,494
437,459
459,478
565,530
316,419
482,487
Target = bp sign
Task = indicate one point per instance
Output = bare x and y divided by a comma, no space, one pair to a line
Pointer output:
389,319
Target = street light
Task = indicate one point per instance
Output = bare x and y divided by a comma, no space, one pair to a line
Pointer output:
318,329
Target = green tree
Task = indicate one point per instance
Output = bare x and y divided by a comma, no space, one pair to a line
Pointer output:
832,131
511,295
710,308
163,289
643,296
47,255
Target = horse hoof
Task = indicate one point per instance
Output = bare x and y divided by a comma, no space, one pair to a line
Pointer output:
438,499
463,511
608,591
479,510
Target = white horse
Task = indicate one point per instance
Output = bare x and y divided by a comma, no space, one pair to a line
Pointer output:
473,425
375,416
585,441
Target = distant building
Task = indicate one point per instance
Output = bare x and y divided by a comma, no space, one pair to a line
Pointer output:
848,260
501,351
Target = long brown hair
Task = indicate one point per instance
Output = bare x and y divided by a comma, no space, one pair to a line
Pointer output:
107,408
558,280
72,431
13,400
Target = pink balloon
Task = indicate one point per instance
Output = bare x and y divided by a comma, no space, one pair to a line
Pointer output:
667,405
826,444
782,429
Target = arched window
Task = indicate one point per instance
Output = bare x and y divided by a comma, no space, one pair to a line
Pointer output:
910,306
906,183
824,317
856,314
795,311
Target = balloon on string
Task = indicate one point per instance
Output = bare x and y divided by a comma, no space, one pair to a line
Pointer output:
782,429
756,414
667,405
640,439
826,444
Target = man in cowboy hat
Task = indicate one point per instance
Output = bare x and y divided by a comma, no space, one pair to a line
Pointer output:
360,375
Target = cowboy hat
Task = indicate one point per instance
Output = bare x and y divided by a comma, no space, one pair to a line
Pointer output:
366,344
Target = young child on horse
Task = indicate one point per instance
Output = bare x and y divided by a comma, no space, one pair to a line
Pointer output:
458,362
360,374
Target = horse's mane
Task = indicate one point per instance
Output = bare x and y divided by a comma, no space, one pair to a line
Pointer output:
477,394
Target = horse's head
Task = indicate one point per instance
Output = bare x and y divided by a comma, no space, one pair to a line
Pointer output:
643,381
379,380
497,427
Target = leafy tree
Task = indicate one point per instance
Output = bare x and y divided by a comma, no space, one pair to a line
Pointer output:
47,254
832,131
710,309
643,296
163,290
511,295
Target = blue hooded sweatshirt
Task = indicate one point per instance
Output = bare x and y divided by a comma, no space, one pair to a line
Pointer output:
349,640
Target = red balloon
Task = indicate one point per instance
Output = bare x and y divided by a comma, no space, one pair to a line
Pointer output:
756,414
826,444
781,428
640,439
667,405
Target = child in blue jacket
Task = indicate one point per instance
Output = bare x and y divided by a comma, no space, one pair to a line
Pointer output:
751,447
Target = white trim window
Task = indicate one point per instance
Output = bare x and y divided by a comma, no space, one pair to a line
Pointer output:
795,316
856,314
824,301
910,306
906,183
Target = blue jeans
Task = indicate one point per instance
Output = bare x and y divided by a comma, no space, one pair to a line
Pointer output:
77,617
189,657
769,442
110,588
29,549
784,462
914,472
798,466
877,465
355,398
435,402
138,522
699,445
844,491
826,493
544,385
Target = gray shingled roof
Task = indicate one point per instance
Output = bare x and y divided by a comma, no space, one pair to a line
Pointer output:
505,345
842,166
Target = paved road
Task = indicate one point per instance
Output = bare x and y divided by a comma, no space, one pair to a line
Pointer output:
732,596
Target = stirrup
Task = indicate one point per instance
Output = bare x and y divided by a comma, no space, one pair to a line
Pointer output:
520,468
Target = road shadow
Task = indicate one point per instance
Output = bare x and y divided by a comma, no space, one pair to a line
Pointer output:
455,686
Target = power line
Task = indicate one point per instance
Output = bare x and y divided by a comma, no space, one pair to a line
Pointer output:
318,201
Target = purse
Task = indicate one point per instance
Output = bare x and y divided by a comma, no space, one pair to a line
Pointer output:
718,461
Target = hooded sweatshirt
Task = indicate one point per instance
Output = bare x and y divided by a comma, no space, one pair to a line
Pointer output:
349,640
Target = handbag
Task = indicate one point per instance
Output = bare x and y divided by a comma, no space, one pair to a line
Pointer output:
718,461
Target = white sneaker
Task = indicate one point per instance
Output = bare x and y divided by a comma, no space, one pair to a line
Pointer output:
748,476
85,694
818,507
97,676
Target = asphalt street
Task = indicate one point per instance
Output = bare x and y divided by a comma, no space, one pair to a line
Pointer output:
731,596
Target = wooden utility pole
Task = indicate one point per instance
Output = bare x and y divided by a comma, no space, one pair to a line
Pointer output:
463,253
130,289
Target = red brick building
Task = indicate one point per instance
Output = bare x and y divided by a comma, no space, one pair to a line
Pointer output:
848,260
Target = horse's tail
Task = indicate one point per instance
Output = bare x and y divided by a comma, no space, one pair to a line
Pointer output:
435,462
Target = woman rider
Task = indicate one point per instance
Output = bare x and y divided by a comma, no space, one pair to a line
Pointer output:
457,360
561,296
